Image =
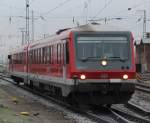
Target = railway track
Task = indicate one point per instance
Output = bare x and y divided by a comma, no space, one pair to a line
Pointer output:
143,77
100,114
140,110
143,83
143,87
132,112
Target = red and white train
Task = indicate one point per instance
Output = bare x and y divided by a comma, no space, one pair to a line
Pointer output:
91,64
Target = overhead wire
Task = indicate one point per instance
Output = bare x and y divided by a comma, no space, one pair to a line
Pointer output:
73,17
101,10
66,1
129,8
56,7
121,18
74,7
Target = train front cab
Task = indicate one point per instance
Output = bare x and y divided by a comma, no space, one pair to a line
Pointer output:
102,67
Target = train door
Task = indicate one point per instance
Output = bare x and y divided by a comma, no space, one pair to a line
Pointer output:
65,58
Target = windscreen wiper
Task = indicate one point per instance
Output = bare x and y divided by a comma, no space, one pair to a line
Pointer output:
84,59
118,58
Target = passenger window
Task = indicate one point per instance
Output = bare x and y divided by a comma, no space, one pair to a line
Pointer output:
34,56
49,55
57,54
67,53
31,57
52,52
44,55
41,55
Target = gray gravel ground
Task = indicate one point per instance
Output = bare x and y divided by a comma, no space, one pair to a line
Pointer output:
142,100
14,101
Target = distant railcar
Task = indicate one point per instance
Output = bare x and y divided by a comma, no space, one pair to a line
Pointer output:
90,64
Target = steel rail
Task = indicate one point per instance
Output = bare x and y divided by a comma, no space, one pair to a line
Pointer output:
143,87
140,110
130,117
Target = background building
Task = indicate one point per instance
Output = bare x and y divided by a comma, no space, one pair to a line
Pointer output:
143,54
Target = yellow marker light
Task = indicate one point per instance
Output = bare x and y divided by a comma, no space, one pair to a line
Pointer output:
104,62
125,76
82,77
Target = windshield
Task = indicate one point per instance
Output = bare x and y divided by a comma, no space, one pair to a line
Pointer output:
102,47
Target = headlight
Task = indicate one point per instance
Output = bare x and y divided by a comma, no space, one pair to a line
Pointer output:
125,76
82,77
104,62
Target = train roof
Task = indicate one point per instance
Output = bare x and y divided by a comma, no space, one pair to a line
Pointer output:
92,28
98,28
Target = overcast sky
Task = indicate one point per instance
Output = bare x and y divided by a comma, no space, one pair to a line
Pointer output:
51,15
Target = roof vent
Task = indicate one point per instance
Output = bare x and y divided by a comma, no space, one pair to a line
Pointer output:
61,30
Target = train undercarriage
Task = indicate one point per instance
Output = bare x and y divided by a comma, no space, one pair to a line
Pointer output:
89,94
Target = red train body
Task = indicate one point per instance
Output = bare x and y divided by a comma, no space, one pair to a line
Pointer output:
90,64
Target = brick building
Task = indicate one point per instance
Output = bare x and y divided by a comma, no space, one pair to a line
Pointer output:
143,55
